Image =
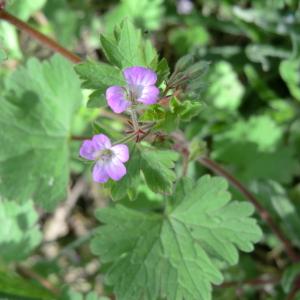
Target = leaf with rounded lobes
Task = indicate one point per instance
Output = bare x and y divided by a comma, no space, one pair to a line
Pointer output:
155,164
37,108
157,167
173,255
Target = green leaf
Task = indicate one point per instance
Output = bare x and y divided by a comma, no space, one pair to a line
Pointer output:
184,39
275,199
157,167
63,21
127,48
121,188
260,86
97,99
225,90
19,232
111,50
169,119
3,55
35,119
144,13
163,71
97,75
248,163
289,71
70,294
13,287
260,130
173,256
289,276
130,39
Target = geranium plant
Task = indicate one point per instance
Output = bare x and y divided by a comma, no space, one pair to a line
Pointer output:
167,222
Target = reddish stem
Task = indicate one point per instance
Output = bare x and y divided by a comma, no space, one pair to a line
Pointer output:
252,282
43,39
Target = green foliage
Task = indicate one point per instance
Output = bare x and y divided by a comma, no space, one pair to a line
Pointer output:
289,276
274,197
98,76
225,90
169,119
188,76
127,48
289,71
64,21
3,55
19,233
166,238
157,169
8,34
146,14
174,255
258,140
72,295
264,165
184,39
13,287
260,130
37,109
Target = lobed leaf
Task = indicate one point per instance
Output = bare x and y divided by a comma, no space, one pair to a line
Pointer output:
173,256
37,109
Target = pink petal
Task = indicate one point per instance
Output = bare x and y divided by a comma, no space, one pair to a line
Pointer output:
87,150
121,152
99,172
116,99
101,141
115,169
140,76
149,95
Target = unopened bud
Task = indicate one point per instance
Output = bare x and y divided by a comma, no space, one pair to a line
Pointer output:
184,62
197,69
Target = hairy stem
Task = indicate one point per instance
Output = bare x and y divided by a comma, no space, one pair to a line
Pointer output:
43,39
264,214
134,119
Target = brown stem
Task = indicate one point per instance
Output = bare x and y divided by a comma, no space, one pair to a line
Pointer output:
292,294
43,39
25,272
264,214
79,138
251,282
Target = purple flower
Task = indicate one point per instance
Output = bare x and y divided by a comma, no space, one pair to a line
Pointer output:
109,159
140,88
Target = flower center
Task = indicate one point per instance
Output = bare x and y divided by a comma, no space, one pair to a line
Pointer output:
105,154
135,92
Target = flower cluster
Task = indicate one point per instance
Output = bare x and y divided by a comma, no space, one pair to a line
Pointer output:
109,159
